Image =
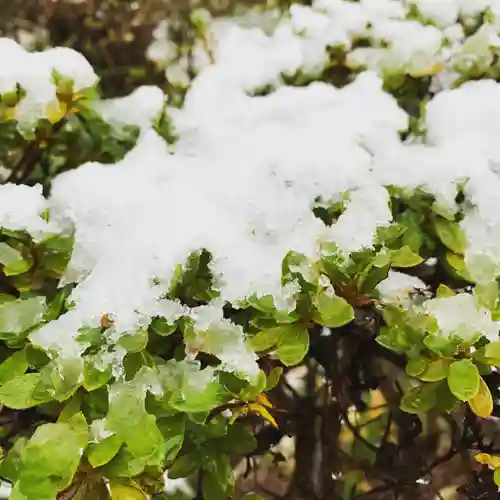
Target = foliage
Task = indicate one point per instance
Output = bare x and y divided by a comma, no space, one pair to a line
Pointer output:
398,337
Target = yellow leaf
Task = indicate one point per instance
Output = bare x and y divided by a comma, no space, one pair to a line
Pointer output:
431,71
262,411
55,111
482,403
264,401
120,491
489,460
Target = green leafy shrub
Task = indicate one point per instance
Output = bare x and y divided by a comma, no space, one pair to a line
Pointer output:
324,198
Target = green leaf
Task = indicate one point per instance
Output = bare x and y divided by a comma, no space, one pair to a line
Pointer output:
239,441
10,466
457,266
487,294
173,429
405,257
293,345
492,351
14,366
450,234
20,315
49,461
273,378
416,366
444,291
62,377
436,370
186,464
99,454
124,465
442,346
121,491
401,340
445,401
127,414
332,311
266,339
78,423
420,399
21,392
463,379
12,260
217,478
496,477
94,378
264,304
134,341
162,327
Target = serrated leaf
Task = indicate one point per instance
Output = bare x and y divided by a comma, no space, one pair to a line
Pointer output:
121,491
405,257
20,393
450,234
14,366
436,370
332,311
482,403
293,344
463,379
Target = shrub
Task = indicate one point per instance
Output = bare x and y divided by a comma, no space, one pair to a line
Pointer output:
323,198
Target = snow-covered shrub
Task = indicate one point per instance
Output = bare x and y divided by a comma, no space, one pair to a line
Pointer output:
162,266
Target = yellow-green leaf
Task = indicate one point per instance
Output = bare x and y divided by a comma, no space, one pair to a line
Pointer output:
463,379
450,234
405,257
120,491
436,370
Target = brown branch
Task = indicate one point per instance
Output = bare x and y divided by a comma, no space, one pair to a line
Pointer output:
30,157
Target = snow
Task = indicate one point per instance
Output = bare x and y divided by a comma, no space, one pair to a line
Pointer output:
21,209
460,316
146,102
398,286
33,71
248,169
